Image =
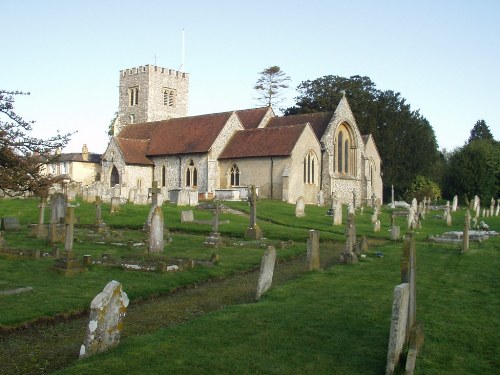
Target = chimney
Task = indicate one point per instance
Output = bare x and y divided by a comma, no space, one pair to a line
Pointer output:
85,153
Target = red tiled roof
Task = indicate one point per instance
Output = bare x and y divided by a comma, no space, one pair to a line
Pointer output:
319,121
134,150
251,118
175,136
275,141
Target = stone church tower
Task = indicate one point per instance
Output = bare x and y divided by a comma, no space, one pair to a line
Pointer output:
150,93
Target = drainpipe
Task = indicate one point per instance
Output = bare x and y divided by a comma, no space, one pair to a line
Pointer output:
322,144
272,170
180,172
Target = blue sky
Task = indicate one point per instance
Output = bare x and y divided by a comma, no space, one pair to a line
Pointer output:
442,56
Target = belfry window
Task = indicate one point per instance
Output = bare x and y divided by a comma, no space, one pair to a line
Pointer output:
191,175
310,168
133,96
169,96
235,175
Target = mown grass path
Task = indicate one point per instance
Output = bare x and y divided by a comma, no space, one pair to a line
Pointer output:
44,348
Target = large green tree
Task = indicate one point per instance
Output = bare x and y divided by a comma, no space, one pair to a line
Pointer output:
405,139
23,157
480,131
270,85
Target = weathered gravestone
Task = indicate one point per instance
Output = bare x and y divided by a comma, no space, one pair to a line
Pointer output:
300,207
321,198
115,204
408,273
214,239
187,216
67,264
392,205
266,272
454,205
156,196
465,245
497,211
107,311
313,250
448,216
156,241
253,231
337,212
492,206
397,333
376,226
349,256
41,228
57,228
10,224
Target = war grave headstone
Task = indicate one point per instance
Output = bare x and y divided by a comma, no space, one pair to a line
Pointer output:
214,239
107,311
300,207
253,231
349,256
266,272
156,241
313,262
465,245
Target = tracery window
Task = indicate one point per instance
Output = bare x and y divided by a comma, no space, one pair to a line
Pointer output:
340,143
235,175
310,163
191,175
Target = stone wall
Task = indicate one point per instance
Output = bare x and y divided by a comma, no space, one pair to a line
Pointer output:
85,173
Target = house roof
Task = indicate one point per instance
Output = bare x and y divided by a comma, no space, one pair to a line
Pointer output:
77,156
251,118
319,121
274,141
194,134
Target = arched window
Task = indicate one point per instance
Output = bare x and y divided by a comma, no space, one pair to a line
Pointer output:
164,176
235,175
191,175
115,177
310,168
346,156
340,143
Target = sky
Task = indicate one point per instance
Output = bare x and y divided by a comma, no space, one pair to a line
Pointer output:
442,56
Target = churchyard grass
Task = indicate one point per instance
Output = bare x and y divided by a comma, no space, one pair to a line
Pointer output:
334,321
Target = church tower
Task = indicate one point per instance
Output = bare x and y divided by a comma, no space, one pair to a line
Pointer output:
150,93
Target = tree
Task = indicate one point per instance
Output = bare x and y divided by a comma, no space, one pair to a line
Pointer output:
270,86
23,158
111,127
480,131
405,139
422,187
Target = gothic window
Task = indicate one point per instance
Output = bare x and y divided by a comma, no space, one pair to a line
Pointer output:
235,175
340,143
164,176
310,168
169,97
191,175
346,156
115,177
133,96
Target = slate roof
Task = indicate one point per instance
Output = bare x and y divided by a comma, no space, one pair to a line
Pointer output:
319,121
76,156
251,118
184,135
274,141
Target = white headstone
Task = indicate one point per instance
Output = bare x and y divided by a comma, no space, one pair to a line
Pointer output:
266,271
156,241
300,206
454,204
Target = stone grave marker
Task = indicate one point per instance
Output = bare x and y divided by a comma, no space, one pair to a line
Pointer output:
321,198
187,216
313,250
58,208
300,207
497,211
253,231
399,323
10,224
492,206
266,272
98,211
376,226
392,205
465,236
155,192
408,273
454,205
348,256
337,212
156,242
115,204
374,217
395,233
67,263
107,312
214,239
378,204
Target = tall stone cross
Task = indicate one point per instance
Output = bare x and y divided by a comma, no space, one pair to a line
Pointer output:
215,220
253,231
392,197
154,191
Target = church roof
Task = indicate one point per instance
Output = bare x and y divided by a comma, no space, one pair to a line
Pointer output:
134,150
319,121
183,135
274,141
251,118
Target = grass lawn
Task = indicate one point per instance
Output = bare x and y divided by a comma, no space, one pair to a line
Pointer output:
333,321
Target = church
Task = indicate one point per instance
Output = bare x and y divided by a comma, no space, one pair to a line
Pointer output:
218,155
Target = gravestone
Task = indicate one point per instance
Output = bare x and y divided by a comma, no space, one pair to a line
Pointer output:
156,242
155,192
354,199
454,204
300,207
67,263
465,245
71,194
348,256
10,224
337,213
107,311
253,231
476,203
497,211
374,217
313,250
492,206
414,204
399,323
187,216
376,226
321,198
378,204
392,205
266,272
131,195
98,211
412,218
58,208
363,246
395,233
408,273
115,204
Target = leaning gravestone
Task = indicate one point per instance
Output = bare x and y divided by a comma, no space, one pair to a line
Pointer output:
300,207
397,333
107,311
266,272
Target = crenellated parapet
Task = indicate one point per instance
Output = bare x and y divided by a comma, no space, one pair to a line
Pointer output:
154,69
